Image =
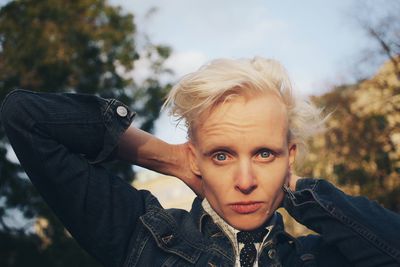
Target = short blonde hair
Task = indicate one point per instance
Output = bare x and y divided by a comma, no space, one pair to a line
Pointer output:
221,79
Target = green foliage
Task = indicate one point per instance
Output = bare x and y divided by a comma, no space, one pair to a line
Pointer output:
65,46
85,46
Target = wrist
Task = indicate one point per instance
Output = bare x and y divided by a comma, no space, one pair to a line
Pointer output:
175,160
293,182
145,150
166,161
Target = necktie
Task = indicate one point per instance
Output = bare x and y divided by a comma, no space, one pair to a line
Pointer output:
248,253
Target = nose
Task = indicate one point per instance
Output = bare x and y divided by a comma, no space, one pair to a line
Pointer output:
245,180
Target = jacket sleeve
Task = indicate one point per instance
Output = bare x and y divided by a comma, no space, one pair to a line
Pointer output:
59,139
364,232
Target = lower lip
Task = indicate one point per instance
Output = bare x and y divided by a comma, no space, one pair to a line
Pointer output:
246,208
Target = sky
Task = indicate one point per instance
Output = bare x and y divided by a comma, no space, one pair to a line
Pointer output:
317,41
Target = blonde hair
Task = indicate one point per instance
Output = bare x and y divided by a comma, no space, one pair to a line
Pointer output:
221,79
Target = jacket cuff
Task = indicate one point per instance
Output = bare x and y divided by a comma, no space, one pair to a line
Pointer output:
303,193
117,118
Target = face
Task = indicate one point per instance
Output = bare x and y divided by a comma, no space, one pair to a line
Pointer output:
241,152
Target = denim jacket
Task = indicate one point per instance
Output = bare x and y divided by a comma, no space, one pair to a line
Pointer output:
61,141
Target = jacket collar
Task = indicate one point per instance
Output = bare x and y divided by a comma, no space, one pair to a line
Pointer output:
192,236
205,223
209,229
183,240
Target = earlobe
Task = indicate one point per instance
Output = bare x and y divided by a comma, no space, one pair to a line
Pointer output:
193,160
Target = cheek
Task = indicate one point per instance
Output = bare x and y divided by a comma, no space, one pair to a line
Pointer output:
214,190
215,179
273,176
209,170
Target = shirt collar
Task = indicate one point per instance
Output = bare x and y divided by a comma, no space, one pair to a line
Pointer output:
230,231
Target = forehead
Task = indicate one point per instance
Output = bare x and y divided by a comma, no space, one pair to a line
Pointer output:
257,119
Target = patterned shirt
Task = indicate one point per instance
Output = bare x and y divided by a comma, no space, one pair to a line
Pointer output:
231,232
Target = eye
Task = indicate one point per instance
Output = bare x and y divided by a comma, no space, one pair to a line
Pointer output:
265,155
220,156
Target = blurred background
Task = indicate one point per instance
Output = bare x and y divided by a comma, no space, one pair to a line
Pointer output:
342,55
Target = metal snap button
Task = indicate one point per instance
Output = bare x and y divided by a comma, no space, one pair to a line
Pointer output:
272,254
122,111
167,239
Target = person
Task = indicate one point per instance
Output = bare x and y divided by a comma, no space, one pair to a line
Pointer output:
246,130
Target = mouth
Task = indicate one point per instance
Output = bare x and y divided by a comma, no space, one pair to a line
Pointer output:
246,207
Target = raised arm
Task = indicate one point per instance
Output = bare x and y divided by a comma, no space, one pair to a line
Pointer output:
60,140
141,148
362,230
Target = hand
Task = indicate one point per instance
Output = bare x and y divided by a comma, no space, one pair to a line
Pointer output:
144,149
183,170
292,179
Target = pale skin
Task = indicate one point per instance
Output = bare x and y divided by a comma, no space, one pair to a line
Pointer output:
238,159
242,153
143,149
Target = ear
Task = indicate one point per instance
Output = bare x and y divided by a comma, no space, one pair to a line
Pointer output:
292,155
193,159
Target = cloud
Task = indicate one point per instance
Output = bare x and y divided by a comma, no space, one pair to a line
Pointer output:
180,63
167,130
141,71
261,34
185,62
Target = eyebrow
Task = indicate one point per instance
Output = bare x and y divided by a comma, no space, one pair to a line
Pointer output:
212,150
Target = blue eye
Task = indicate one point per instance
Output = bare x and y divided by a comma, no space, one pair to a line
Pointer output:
265,154
220,156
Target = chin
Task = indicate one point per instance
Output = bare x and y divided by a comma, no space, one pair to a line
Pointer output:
248,223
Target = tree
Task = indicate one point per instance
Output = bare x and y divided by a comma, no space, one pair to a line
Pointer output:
380,21
360,150
85,46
